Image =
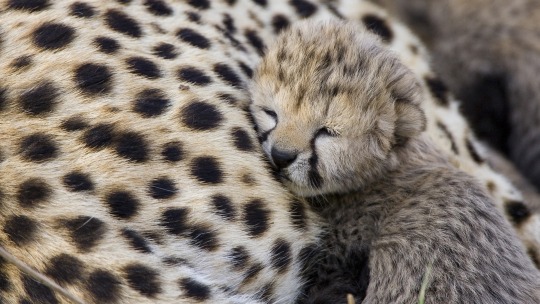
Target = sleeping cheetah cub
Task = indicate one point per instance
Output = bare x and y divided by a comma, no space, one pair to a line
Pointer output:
340,116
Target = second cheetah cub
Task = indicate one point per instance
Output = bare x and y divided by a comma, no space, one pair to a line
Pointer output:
340,118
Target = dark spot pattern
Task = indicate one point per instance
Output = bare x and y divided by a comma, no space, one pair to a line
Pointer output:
93,78
438,89
303,8
298,214
122,204
33,192
38,292
229,23
203,238
29,5
239,257
223,207
201,116
256,41
51,36
143,279
175,220
39,100
246,69
158,7
194,17
106,45
194,289
472,151
122,23
517,211
531,252
252,273
193,38
256,218
85,231
151,103
165,51
227,74
279,23
194,76
444,129
281,255
228,98
200,4
73,124
65,269
378,26
173,152
241,140
20,229
99,136
22,62
143,67
103,286
136,241
3,98
38,147
132,146
262,3
162,188
82,10
78,181
207,170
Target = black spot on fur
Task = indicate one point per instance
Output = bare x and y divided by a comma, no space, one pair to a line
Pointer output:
256,41
303,8
453,145
281,255
21,62
122,204
517,211
438,89
256,218
201,116
136,241
143,67
39,100
165,51
194,17
378,26
143,279
207,170
98,136
77,181
38,147
241,140
93,78
174,220
227,74
52,36
38,292
239,257
86,231
122,23
297,211
279,23
228,98
20,229
29,5
82,10
472,151
150,103
132,146
193,75
173,152
3,98
194,289
252,273
33,192
200,4
192,37
204,238
228,21
74,124
246,69
65,269
158,7
223,207
162,188
106,45
103,286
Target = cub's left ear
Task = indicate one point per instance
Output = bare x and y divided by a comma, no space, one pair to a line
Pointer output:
407,93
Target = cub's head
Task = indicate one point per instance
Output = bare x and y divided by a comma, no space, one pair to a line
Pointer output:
332,106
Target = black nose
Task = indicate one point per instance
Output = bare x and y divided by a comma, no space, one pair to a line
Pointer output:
282,159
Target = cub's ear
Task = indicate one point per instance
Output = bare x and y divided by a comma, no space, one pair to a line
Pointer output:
407,94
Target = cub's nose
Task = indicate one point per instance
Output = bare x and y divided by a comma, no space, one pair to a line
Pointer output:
282,159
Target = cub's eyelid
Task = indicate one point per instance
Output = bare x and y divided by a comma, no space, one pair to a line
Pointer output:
325,131
270,113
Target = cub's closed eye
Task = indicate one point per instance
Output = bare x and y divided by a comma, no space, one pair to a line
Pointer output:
326,132
270,113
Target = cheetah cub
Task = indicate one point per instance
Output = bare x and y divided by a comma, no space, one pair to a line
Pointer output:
340,118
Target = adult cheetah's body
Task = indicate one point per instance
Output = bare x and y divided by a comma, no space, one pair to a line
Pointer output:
128,168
